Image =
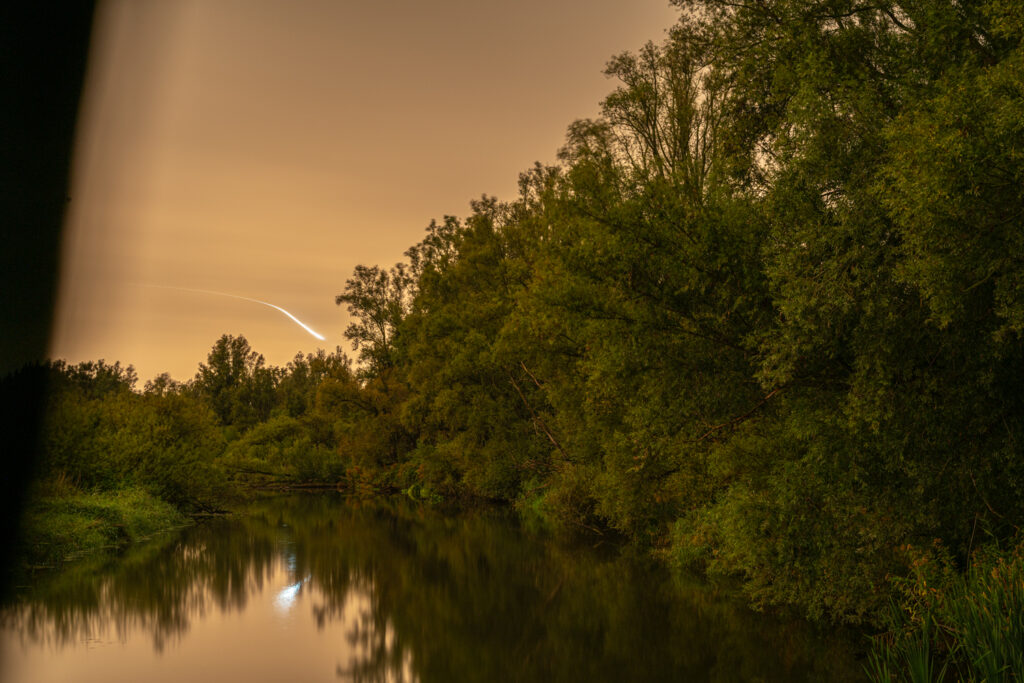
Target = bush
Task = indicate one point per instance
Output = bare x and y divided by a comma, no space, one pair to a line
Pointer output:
166,444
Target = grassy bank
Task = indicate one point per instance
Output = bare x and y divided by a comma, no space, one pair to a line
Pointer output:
62,525
953,625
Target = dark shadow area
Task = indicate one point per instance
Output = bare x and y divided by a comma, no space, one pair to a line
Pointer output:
43,52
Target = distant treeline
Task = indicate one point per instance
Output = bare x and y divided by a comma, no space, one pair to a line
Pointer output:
236,422
765,316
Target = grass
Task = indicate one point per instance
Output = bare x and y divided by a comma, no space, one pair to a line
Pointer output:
60,526
966,627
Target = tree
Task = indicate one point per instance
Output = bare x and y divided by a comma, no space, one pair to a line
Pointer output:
377,299
235,383
299,381
162,385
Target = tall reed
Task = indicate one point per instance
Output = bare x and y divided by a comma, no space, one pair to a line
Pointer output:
956,626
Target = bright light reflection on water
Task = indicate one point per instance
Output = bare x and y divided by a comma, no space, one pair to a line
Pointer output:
285,599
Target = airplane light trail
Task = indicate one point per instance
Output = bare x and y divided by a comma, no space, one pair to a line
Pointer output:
301,324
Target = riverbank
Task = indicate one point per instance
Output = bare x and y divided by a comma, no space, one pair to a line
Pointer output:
61,526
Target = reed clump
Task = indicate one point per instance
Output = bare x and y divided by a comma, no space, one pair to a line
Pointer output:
956,625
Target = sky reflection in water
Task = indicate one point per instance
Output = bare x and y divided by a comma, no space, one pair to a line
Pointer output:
317,588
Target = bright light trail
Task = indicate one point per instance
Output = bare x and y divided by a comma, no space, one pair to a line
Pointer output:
301,324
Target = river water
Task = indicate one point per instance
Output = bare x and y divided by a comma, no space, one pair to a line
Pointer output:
325,588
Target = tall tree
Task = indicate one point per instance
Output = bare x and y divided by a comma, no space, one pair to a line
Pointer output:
235,382
377,299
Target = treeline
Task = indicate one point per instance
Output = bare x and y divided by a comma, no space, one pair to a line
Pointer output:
237,421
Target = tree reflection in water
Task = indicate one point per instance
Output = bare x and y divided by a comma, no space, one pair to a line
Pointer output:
427,596
378,654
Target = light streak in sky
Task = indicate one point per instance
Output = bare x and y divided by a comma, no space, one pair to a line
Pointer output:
301,324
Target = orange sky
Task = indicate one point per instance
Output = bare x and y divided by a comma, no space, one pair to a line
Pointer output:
264,148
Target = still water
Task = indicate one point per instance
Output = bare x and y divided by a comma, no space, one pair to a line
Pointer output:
324,588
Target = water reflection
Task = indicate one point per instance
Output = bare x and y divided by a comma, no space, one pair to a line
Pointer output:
285,600
318,587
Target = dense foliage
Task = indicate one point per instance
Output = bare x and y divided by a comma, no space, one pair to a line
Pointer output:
184,442
766,311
